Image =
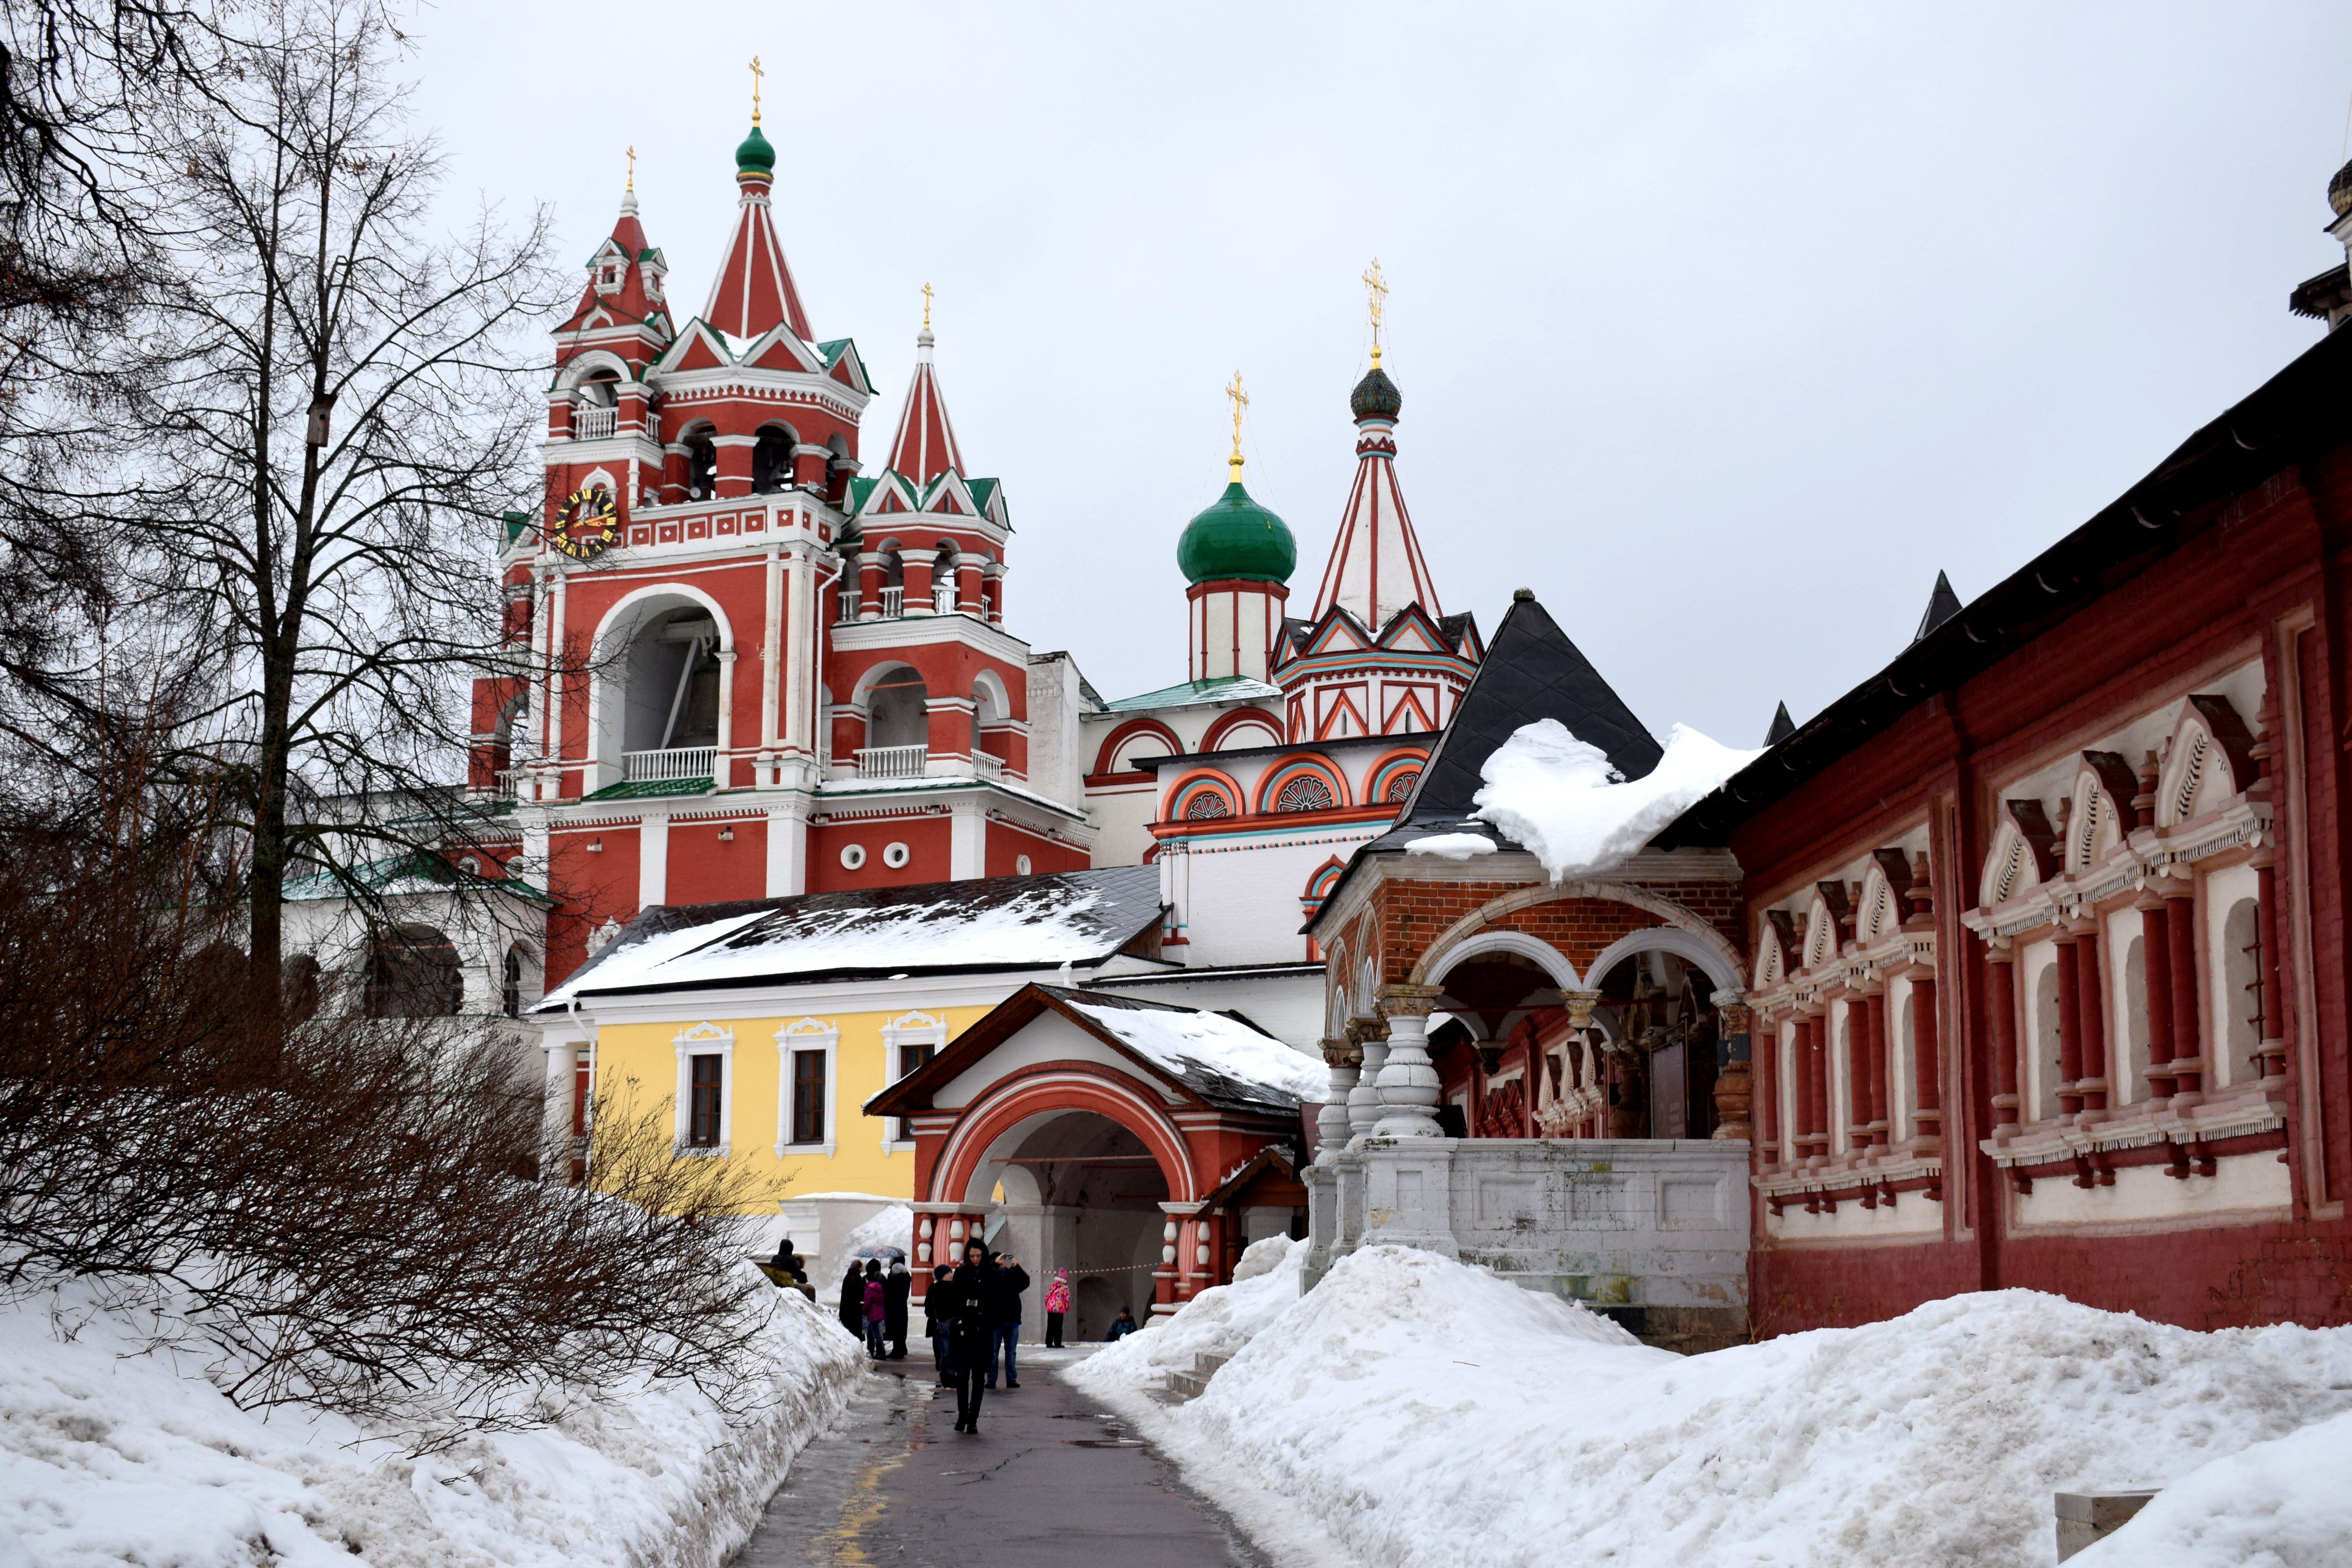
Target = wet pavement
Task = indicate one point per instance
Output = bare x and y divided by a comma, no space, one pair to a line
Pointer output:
1053,1479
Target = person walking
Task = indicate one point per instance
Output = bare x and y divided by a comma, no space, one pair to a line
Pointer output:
897,1286
936,1313
975,1307
852,1300
1058,1306
1012,1280
877,1306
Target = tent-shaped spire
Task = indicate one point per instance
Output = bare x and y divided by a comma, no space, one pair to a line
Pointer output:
1531,671
754,288
625,275
925,447
1376,567
1781,727
1942,606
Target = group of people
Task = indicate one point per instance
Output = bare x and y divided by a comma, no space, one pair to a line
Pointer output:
874,1306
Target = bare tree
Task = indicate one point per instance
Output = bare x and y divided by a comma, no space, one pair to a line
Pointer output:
317,431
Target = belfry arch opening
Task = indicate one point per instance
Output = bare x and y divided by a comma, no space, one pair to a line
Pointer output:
1082,1192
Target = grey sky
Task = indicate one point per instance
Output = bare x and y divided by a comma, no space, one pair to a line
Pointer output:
1722,327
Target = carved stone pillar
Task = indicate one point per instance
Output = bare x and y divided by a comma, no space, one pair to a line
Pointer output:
1926,1061
1733,1069
2070,1036
2091,1030
1858,1063
1345,1058
2269,970
2001,1010
1371,1035
1881,1074
1814,1140
869,586
1764,1103
2156,974
2188,1018
1409,1083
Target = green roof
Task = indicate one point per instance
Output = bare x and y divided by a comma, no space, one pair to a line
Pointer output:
516,522
982,491
655,789
1225,689
1235,537
830,350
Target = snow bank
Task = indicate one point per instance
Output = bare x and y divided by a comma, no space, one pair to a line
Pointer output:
1427,1414
1221,1319
112,1452
1559,795
1219,1044
2279,1504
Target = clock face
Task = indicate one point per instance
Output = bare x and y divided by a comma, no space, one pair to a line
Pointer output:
586,524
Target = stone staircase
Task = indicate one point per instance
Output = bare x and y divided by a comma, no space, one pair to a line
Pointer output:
1184,1385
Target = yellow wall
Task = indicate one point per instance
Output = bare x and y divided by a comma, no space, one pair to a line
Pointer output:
648,1053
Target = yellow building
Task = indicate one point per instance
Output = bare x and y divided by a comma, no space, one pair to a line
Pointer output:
762,1030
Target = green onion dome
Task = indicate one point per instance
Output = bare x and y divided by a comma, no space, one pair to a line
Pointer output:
1235,537
1376,397
755,156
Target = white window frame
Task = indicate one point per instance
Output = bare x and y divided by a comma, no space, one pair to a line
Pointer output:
915,1029
704,1039
808,1035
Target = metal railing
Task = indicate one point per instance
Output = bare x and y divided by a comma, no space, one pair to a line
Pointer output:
677,763
984,766
892,761
590,424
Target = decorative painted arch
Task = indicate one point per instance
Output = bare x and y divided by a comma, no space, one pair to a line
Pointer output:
1399,770
1190,795
1319,886
2014,864
1726,957
1220,733
1107,760
1772,964
2100,812
1070,1086
1287,771
2209,761
1880,911
1542,954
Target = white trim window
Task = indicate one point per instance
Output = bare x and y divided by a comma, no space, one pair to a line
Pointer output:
908,1041
807,1083
706,1089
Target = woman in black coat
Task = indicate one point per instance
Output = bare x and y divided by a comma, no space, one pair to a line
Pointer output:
897,1286
852,1302
936,1307
975,1305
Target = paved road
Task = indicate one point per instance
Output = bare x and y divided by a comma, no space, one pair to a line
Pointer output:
1052,1482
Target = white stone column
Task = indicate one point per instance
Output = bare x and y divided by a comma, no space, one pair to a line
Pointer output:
1371,1035
723,764
653,860
1344,1058
788,846
770,661
967,840
1409,1084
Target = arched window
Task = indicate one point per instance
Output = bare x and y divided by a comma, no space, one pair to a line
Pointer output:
898,711
510,983
1305,792
1399,788
771,461
701,463
413,973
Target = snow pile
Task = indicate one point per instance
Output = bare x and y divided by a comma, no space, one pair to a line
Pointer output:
893,1229
113,1451
1561,797
1427,1414
1219,1319
1452,845
2279,1504
1180,1039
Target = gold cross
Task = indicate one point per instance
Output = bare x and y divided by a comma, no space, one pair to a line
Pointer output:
755,90
1377,292
1241,400
633,168
927,307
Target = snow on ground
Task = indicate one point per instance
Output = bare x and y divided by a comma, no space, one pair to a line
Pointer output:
893,1227
1220,1043
1559,795
2278,1504
1221,1319
1427,1414
112,1453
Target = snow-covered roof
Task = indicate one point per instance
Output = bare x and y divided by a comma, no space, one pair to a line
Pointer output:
1079,918
1216,1056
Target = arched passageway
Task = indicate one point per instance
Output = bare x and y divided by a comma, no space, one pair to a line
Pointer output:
1076,1190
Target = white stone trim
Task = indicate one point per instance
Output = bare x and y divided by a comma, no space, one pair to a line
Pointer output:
912,1029
1682,943
808,1035
1545,956
704,1039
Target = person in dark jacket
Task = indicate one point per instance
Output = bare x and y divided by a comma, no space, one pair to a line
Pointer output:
935,1319
1011,1279
852,1302
787,1262
975,1306
897,1286
877,1306
1121,1327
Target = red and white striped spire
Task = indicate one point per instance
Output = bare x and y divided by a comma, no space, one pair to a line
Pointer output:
1376,567
925,447
754,288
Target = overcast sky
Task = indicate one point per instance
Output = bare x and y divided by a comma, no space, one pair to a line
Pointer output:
1722,327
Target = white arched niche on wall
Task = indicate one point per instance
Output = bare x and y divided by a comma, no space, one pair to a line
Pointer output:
615,661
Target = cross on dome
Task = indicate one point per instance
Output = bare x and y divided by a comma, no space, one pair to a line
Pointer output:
1377,291
1241,400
